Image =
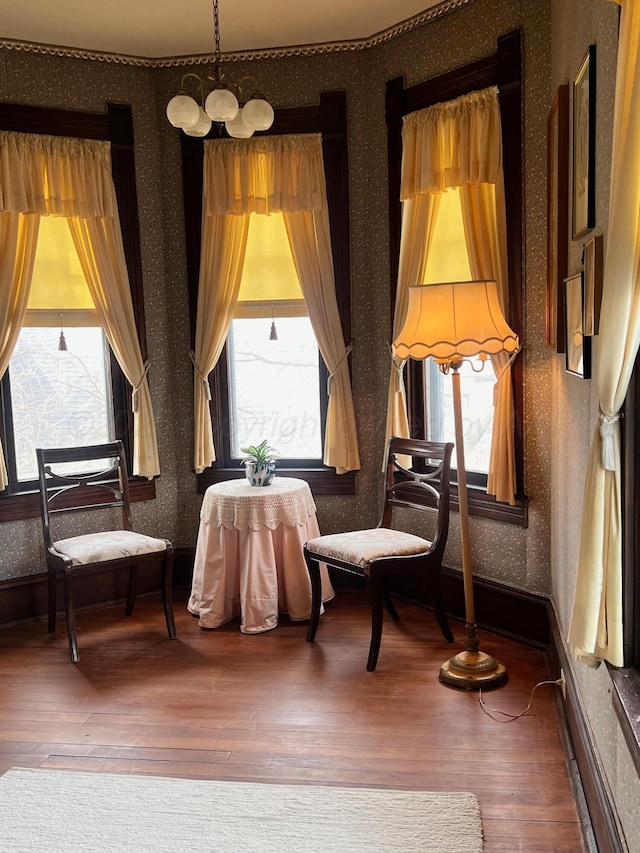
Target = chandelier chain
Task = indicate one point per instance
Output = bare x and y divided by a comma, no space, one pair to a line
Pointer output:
216,31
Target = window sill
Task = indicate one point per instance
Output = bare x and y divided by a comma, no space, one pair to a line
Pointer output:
27,504
322,481
482,505
626,703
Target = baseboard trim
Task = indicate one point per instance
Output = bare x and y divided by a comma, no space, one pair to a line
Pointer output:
502,609
598,813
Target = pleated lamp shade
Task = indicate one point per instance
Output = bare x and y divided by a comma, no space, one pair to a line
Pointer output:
453,321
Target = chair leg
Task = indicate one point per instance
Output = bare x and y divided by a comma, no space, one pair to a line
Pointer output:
53,599
443,622
391,608
316,597
376,597
441,616
71,615
131,592
167,592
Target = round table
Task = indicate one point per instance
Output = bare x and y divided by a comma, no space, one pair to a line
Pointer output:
249,560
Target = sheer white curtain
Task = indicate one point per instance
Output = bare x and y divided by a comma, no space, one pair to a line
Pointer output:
266,175
458,143
595,633
58,176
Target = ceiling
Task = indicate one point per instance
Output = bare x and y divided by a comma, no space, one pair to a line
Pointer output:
161,28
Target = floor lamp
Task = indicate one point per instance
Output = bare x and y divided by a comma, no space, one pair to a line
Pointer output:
453,323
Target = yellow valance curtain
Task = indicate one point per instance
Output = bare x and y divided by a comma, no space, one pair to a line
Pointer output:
55,176
59,176
267,175
453,143
264,174
457,144
596,630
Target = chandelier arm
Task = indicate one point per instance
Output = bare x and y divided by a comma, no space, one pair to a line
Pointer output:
246,80
199,80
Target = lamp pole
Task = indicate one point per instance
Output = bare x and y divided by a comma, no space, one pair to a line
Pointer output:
470,669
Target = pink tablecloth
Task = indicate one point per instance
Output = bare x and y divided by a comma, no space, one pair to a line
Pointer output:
249,561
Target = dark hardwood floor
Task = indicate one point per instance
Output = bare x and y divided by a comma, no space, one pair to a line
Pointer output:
271,707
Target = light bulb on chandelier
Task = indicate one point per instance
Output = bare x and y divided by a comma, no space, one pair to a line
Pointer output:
221,105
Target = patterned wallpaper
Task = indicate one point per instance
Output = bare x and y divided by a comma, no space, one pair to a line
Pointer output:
459,37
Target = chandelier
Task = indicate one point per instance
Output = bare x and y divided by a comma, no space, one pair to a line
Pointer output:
222,104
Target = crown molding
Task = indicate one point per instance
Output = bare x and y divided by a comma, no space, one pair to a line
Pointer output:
444,8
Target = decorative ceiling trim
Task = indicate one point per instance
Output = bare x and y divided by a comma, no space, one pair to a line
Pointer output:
444,8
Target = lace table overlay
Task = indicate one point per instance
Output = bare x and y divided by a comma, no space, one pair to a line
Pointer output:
237,504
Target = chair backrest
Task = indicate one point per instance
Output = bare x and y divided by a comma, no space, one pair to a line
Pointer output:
426,487
101,484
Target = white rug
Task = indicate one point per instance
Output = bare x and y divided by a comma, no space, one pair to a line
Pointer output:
60,812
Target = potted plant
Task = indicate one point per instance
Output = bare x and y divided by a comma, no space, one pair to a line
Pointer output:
260,463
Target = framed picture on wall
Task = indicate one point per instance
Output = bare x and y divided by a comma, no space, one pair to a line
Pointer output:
592,285
584,136
578,349
557,215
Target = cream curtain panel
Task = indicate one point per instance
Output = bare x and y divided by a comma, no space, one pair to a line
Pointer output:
18,240
98,242
419,216
224,242
459,144
60,176
485,226
595,632
267,175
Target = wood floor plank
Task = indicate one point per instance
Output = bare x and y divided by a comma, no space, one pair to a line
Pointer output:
274,708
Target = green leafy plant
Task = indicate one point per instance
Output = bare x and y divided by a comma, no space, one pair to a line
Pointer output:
261,454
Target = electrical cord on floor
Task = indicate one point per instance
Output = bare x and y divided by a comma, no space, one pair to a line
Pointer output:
511,717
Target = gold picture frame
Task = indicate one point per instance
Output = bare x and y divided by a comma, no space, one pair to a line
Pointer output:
592,285
578,350
584,138
557,215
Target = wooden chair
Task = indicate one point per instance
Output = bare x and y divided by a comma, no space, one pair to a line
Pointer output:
65,492
385,557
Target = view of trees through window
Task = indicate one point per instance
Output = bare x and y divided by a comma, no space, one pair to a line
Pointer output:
59,398
477,412
274,386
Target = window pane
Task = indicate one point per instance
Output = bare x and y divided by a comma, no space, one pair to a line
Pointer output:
59,399
477,412
274,387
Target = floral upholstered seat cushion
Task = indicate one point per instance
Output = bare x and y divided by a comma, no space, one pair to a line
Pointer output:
107,545
362,546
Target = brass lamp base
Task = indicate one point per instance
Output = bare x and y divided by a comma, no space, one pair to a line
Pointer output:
473,671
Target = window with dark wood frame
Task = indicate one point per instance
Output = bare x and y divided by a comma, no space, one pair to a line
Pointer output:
115,126
329,118
501,69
